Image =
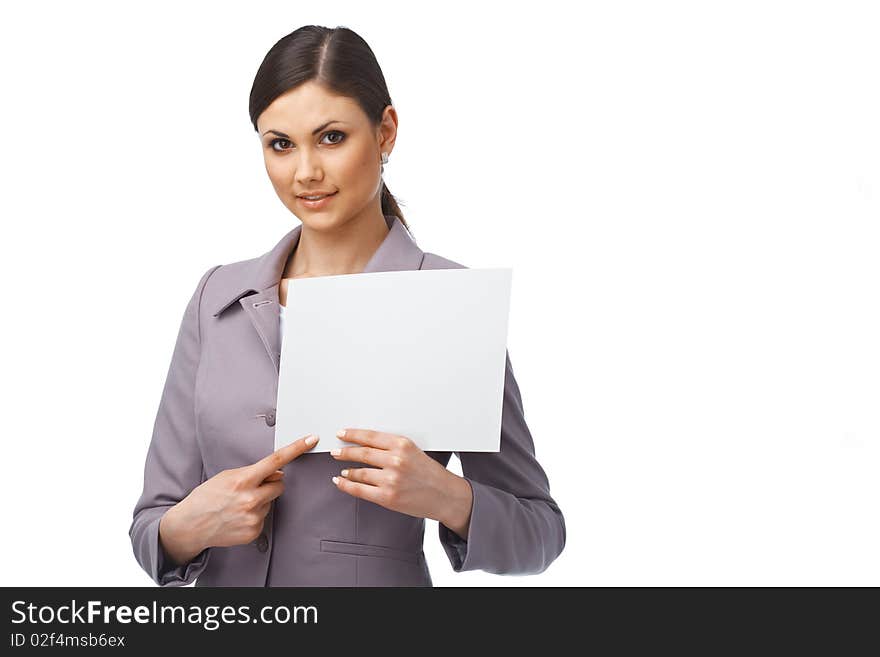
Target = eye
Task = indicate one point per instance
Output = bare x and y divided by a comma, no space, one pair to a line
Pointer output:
285,143
278,141
336,132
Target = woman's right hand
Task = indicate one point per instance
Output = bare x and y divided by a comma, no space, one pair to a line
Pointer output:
229,508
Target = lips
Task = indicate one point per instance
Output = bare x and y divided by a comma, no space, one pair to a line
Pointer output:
316,205
318,194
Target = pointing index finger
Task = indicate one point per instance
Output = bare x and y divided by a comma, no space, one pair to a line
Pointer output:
281,457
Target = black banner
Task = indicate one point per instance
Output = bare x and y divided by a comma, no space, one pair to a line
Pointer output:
362,619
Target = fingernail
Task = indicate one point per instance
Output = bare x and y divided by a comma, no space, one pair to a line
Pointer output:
335,480
311,440
344,473
336,452
340,433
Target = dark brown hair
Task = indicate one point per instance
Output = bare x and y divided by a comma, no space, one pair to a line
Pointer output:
338,59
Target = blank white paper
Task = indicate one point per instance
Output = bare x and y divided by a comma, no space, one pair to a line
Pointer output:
420,354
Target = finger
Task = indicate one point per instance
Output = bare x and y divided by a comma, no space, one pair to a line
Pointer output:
280,457
370,476
264,509
368,437
370,455
269,492
278,475
356,489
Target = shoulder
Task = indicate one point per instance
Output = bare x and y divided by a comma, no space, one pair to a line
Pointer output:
221,283
434,261
231,276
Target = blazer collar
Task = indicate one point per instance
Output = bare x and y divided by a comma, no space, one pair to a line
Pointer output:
397,252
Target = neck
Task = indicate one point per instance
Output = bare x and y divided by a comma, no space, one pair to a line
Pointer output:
345,249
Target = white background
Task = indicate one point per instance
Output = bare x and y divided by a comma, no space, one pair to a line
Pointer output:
688,193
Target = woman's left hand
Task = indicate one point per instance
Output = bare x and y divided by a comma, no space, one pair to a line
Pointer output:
404,478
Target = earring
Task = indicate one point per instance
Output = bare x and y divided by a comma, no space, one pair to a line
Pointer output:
384,158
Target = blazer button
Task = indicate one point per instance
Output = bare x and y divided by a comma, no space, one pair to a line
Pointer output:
262,543
270,418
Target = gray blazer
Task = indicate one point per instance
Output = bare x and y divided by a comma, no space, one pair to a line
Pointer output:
217,411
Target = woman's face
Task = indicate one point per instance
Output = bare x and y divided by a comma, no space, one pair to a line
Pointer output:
315,142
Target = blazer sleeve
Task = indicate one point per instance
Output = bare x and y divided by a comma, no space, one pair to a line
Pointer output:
516,527
173,465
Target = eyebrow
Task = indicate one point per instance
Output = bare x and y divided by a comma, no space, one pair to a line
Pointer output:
314,132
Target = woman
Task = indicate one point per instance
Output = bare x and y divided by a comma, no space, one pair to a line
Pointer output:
212,508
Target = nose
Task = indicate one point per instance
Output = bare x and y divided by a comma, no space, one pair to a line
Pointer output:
308,168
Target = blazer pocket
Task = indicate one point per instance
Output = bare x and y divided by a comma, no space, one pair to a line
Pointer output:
364,549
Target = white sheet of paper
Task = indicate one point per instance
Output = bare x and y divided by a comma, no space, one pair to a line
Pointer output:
420,354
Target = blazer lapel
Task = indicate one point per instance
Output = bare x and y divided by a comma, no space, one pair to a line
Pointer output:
262,310
259,297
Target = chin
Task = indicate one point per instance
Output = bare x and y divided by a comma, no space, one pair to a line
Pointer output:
321,220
